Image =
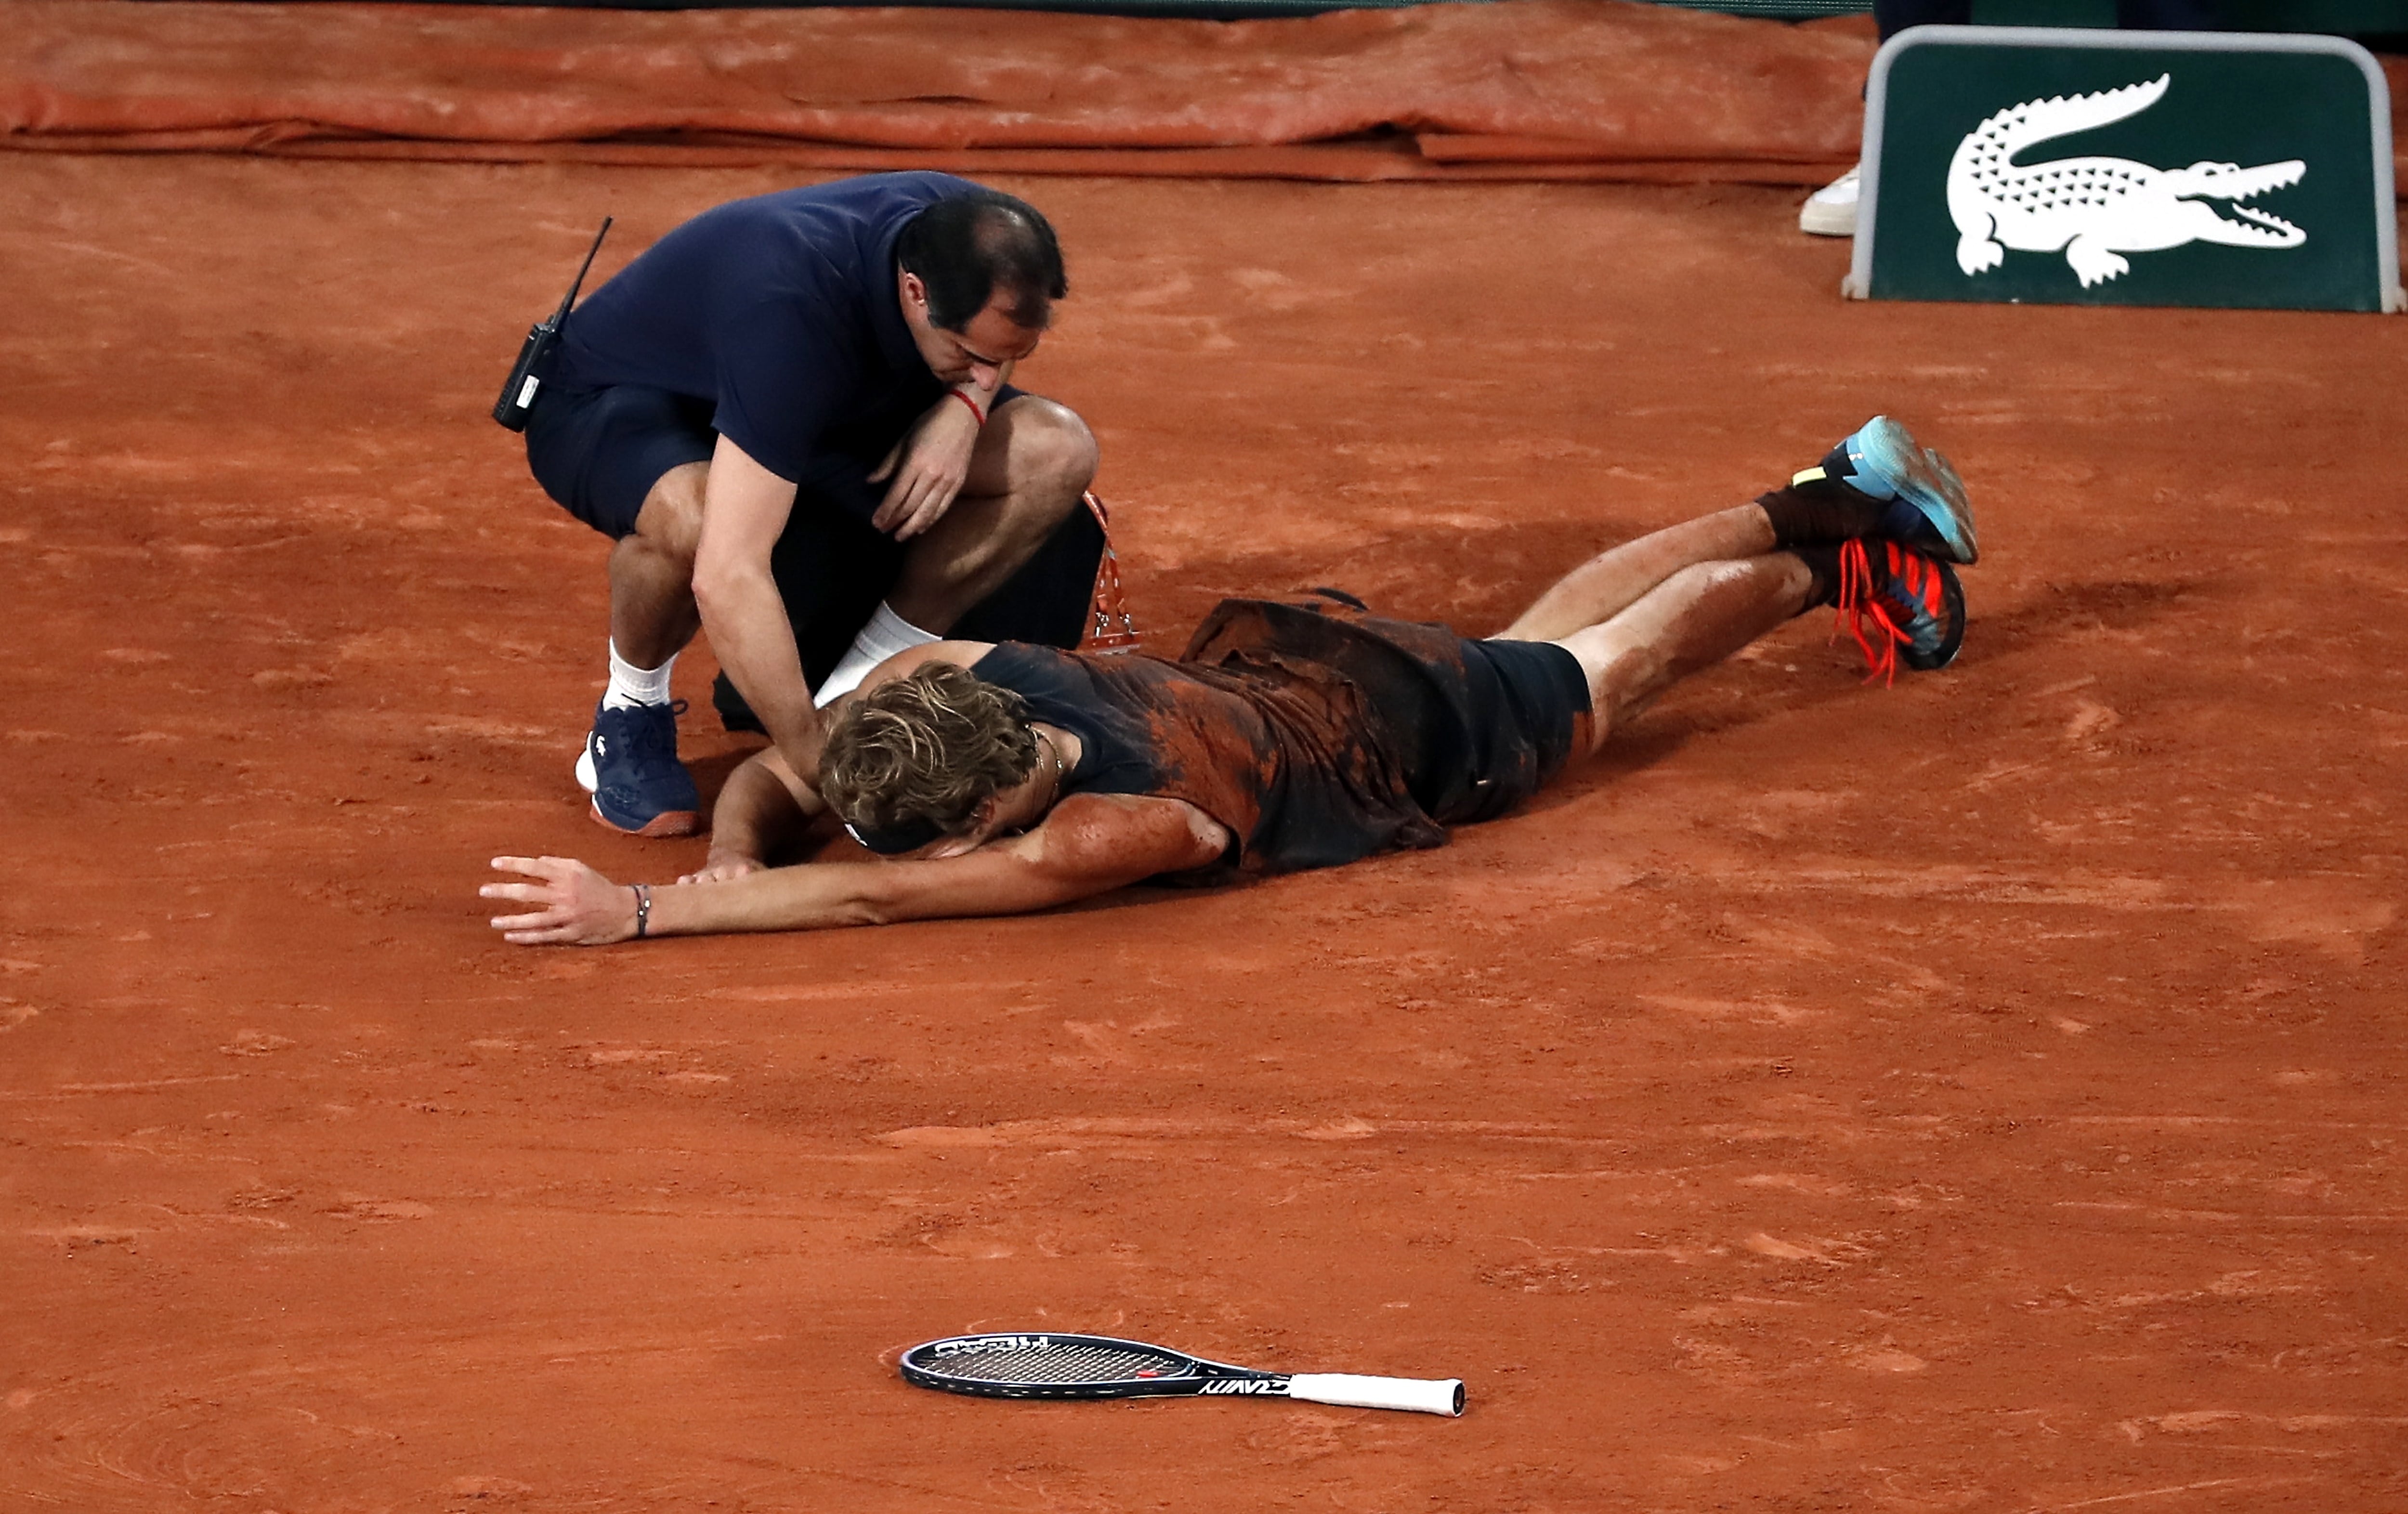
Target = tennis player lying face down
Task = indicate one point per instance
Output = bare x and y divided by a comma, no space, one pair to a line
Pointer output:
999,778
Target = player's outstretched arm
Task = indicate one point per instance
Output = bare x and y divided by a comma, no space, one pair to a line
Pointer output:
1090,843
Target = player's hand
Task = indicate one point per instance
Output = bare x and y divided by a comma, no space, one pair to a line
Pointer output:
927,467
576,905
723,868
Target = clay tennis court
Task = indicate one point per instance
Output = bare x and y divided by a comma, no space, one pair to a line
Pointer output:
1984,1094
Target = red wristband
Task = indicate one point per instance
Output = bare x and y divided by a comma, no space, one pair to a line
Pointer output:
971,403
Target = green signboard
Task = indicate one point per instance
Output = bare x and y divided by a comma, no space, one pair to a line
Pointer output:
2083,167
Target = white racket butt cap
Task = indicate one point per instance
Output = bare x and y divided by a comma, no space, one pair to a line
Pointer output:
1443,1395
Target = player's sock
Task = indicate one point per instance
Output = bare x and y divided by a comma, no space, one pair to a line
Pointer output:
1823,563
886,634
631,685
1817,508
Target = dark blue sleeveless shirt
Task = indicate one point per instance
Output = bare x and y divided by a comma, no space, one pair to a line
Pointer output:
1317,738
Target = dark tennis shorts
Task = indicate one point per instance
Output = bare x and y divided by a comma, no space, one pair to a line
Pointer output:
1479,726
598,453
1527,702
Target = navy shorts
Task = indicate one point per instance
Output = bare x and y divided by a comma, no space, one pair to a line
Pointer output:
598,453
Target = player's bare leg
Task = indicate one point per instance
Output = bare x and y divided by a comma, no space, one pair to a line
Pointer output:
1033,461
1616,579
1901,606
1699,615
1876,483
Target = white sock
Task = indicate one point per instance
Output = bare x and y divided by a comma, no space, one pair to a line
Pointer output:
886,634
631,685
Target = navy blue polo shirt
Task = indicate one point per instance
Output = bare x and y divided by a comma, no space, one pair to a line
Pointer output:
780,311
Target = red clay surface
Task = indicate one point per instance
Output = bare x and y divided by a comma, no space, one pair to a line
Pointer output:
1983,1094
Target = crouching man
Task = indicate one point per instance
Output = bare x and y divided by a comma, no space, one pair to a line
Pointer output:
794,417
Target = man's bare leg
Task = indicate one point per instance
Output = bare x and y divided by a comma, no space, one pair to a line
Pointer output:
1033,461
1616,579
1699,615
652,570
629,762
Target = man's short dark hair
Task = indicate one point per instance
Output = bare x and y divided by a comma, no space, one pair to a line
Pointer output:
968,248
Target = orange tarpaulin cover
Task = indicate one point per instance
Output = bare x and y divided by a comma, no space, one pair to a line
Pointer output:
1522,88
1529,87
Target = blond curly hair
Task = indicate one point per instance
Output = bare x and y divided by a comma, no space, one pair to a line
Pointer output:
926,748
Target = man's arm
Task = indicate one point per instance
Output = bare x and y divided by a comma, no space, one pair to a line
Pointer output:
1090,843
744,508
933,460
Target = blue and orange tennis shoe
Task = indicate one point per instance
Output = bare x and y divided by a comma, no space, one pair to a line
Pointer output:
1901,606
631,765
1928,507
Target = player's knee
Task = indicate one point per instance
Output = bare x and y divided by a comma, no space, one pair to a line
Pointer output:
1700,577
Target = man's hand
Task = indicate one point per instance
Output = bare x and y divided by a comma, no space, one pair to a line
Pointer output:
580,906
724,867
927,466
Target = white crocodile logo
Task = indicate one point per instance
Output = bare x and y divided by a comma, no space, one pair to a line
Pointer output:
2095,208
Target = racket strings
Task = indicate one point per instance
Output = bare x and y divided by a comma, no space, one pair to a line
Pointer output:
1059,1362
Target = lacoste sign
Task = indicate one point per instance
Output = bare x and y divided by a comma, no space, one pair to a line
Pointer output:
2095,209
2136,169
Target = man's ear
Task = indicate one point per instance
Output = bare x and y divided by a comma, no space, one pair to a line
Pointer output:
915,289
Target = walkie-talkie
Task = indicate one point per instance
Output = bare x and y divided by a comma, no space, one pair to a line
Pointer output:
528,374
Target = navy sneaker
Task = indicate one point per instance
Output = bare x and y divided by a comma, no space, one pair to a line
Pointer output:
1901,606
639,786
1928,510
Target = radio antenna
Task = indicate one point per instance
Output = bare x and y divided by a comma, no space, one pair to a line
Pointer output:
570,298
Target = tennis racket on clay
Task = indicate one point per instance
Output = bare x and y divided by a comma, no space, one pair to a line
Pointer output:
1099,1366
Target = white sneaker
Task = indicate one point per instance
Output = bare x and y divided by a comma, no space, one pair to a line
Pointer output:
1832,210
586,777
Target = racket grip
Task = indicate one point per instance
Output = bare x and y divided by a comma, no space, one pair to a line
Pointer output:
1440,1396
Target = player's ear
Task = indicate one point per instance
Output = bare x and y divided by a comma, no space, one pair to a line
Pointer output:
982,826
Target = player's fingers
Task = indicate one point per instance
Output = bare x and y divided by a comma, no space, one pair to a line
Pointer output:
541,919
530,893
552,869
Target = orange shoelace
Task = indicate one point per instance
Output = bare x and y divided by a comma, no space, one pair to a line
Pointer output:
1109,626
1858,603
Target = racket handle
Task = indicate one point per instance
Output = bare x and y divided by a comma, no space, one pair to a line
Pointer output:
1442,1396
